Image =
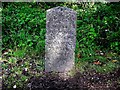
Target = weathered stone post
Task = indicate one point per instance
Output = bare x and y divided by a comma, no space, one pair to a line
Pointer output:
60,39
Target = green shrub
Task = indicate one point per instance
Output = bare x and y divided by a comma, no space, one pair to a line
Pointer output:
23,37
23,27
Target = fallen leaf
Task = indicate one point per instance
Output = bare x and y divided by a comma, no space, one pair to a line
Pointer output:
97,63
114,61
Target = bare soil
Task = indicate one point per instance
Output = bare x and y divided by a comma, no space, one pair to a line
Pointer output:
89,80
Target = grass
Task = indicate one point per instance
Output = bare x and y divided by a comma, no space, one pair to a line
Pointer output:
19,67
105,68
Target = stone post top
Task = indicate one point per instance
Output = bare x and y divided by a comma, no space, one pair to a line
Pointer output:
61,9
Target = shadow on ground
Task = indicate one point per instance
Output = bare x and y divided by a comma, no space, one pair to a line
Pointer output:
89,80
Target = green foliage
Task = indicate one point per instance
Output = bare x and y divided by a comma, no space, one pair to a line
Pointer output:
106,68
17,71
97,29
96,25
109,67
23,27
23,37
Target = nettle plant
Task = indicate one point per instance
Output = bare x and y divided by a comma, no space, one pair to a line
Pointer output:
23,27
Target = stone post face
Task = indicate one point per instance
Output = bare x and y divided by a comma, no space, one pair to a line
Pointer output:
60,39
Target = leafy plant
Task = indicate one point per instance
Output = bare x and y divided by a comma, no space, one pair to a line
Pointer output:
23,38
